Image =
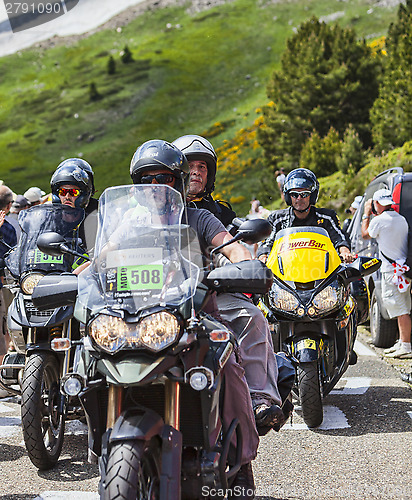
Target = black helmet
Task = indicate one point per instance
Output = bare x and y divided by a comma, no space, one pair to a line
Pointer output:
301,178
160,154
73,175
78,162
196,147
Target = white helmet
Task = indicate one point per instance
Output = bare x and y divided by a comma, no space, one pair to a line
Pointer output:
195,147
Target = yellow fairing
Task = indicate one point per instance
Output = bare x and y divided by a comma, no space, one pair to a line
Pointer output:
303,254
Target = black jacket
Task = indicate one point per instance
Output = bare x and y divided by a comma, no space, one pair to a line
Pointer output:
319,217
220,209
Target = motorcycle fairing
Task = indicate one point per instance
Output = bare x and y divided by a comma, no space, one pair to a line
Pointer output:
26,257
144,255
303,255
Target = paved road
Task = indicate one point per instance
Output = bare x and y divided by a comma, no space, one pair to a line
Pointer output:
362,450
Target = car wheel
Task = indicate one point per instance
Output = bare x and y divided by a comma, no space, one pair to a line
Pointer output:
384,331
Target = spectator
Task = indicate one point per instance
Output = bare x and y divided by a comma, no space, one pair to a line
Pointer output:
20,203
34,195
7,239
355,204
390,229
280,179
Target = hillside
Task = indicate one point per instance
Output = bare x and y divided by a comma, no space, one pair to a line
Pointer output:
195,70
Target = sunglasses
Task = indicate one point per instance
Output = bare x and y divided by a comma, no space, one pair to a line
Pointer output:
302,194
160,178
72,192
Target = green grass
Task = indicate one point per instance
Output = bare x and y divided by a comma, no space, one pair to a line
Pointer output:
214,68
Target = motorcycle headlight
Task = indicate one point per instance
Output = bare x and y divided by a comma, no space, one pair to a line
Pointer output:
327,299
155,332
109,332
159,330
282,299
29,282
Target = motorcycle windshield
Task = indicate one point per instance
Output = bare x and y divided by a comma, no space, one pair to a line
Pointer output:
144,254
303,255
40,219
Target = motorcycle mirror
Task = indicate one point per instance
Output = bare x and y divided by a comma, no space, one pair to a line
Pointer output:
254,230
51,244
54,244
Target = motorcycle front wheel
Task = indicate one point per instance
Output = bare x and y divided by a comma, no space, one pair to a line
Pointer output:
133,471
310,393
41,417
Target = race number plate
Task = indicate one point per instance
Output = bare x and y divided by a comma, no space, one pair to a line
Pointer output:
147,277
42,258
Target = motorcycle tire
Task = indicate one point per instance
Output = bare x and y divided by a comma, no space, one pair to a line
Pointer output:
384,332
133,471
42,422
310,396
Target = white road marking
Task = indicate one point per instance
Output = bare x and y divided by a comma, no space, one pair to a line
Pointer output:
67,495
9,426
409,413
362,350
333,418
354,386
5,408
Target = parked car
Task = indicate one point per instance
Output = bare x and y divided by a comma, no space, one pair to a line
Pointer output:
384,331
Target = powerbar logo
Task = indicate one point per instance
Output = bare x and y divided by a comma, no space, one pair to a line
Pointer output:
299,244
26,15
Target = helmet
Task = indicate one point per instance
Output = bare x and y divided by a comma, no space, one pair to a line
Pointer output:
196,147
78,162
76,176
160,154
301,178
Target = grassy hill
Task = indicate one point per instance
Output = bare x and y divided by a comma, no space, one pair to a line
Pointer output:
200,73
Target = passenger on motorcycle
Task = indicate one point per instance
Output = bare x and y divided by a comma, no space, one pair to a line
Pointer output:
158,162
301,190
245,319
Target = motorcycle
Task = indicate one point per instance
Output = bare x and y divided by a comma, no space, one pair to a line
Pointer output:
150,375
312,312
34,365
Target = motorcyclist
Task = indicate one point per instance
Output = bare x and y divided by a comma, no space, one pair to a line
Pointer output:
72,186
301,190
246,320
89,227
157,162
203,161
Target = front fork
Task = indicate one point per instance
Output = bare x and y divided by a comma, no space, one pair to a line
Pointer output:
170,484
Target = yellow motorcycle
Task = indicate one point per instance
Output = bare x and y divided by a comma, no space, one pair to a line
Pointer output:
313,313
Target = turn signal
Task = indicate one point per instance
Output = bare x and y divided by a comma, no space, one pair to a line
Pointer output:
60,344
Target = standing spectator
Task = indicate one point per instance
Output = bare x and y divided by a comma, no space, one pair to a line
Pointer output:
391,232
34,195
7,239
20,203
280,179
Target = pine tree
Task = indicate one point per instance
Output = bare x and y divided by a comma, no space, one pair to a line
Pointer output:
94,94
321,154
391,115
327,79
352,156
111,66
126,56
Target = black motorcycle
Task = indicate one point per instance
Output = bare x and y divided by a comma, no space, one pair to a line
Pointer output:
35,365
150,376
313,313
